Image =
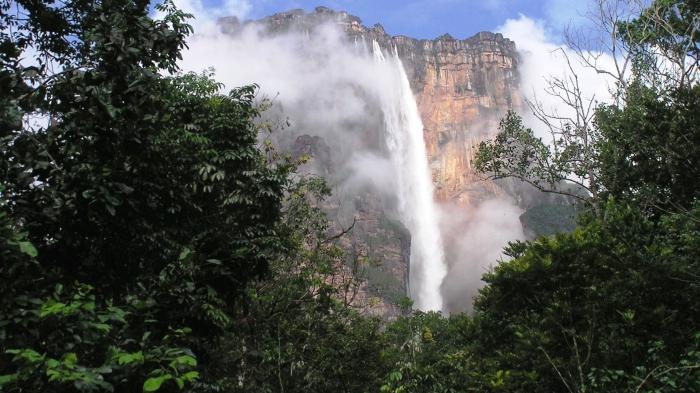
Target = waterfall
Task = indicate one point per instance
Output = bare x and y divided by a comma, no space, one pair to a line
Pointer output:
404,139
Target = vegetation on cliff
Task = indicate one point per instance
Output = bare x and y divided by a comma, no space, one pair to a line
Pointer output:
150,242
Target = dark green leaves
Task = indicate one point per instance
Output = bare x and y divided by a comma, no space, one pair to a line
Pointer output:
133,220
28,248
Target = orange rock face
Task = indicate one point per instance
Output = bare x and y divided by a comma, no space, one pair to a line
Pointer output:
466,87
463,88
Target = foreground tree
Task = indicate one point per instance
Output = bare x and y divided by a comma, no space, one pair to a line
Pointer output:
595,309
650,151
610,306
642,145
299,331
135,216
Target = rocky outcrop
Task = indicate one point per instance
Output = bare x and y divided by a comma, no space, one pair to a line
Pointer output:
378,253
377,246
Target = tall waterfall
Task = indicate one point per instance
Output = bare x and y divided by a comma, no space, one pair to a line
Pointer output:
404,138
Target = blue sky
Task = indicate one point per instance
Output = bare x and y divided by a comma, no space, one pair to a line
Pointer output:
425,18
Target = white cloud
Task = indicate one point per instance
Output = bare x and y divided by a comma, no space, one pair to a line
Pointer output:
543,58
206,14
475,239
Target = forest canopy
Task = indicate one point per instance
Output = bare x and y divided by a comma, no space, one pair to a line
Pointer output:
151,239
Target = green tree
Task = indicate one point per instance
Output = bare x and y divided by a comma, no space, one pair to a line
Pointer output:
616,294
134,218
427,352
299,331
517,153
642,146
664,43
610,306
649,151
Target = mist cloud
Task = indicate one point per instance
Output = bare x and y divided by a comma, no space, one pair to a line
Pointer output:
474,242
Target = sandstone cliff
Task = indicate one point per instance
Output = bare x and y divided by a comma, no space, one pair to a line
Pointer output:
462,87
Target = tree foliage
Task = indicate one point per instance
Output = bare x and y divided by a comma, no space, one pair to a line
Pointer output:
604,296
150,242
136,215
599,148
298,332
517,153
649,153
610,306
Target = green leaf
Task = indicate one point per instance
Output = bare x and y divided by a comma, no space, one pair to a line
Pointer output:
103,327
127,358
9,378
29,355
51,308
153,384
28,248
70,358
190,376
184,360
185,253
395,376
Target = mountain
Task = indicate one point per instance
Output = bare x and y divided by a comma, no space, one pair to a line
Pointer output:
462,88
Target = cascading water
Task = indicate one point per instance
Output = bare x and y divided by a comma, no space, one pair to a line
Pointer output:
404,138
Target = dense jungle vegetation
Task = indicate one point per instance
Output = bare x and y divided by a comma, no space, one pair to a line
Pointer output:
149,242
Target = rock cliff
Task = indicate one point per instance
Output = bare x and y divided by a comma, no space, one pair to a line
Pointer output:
462,87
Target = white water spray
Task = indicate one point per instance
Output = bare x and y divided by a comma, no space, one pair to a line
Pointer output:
404,138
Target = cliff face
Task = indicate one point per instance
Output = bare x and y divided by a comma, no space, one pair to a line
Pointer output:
462,88
466,87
